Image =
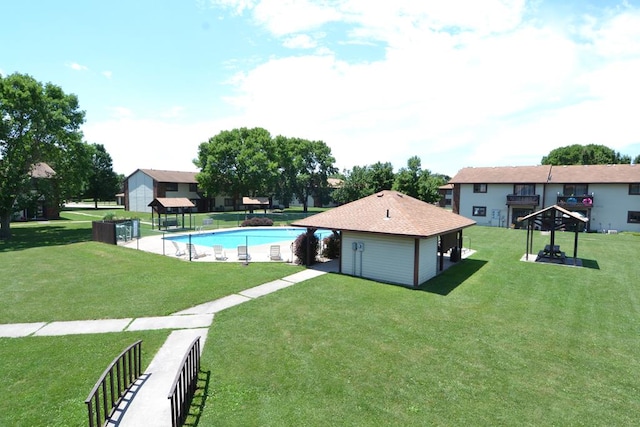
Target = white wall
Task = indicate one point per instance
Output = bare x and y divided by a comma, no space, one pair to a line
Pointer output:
495,199
140,192
385,258
428,259
611,204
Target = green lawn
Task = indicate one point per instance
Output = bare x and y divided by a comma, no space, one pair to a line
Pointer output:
492,341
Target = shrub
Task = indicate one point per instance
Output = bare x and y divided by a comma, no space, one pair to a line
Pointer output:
257,222
331,246
300,248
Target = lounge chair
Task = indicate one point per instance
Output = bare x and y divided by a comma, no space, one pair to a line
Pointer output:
243,254
191,249
274,253
218,252
179,251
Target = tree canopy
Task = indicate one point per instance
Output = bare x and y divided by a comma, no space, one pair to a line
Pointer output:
39,123
249,162
102,182
362,181
417,182
591,154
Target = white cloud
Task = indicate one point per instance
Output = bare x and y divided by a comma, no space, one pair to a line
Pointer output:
454,75
2,73
77,67
107,74
457,83
173,113
300,41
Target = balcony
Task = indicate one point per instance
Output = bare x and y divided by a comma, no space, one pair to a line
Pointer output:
585,201
517,200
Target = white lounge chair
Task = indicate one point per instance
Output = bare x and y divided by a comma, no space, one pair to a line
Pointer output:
179,251
274,253
243,254
191,249
219,253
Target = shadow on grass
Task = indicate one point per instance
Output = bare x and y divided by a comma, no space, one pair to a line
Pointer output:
47,235
453,277
590,263
199,400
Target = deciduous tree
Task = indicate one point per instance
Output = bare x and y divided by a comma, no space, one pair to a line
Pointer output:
417,182
239,162
591,154
39,123
102,182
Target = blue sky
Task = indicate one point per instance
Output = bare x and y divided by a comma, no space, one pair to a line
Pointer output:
457,83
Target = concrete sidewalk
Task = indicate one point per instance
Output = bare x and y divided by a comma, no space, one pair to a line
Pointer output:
147,402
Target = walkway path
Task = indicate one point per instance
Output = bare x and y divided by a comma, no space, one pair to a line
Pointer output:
148,404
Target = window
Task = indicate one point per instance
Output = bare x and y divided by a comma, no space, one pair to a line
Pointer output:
193,188
170,186
228,202
576,189
479,188
633,217
524,189
634,189
479,211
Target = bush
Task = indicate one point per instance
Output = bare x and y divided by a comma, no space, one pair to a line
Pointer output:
300,248
257,222
331,247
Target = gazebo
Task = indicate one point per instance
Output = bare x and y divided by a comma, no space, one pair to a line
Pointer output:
552,219
170,205
251,203
391,237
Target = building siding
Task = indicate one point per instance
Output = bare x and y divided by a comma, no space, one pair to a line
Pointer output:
385,258
140,192
612,202
428,259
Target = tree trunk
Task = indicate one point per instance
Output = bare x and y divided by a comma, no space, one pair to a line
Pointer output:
5,224
95,203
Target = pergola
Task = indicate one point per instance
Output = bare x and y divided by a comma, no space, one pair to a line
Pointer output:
170,205
252,203
553,218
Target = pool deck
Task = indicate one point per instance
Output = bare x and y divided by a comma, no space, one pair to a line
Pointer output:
258,253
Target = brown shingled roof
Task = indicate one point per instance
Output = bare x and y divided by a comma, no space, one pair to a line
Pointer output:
503,174
171,176
595,174
575,174
406,216
41,170
172,202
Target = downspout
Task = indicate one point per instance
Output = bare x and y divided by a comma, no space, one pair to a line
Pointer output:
416,262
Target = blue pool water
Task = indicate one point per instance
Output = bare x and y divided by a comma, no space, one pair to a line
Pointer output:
250,236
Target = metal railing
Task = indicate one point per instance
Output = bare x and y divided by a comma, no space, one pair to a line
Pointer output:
105,396
516,199
185,384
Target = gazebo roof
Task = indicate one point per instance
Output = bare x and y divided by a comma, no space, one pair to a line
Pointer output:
389,212
573,215
172,202
255,201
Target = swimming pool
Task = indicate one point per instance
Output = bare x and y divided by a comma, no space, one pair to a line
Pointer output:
250,236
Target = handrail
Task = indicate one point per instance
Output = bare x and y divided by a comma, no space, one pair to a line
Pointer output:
127,368
185,384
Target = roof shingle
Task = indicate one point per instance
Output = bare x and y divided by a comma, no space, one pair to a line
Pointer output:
573,174
389,212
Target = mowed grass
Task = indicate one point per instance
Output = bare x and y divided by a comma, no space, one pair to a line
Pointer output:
45,380
491,341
